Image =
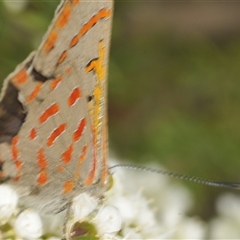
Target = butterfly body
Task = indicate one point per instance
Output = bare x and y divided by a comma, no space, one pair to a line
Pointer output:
56,147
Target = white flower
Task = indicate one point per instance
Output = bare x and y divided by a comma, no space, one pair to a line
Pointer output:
228,206
28,225
83,205
125,212
226,225
108,220
8,202
138,218
191,228
173,204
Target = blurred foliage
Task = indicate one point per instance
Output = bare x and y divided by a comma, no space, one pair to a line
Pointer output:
174,92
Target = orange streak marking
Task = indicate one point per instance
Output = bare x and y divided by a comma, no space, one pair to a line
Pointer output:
15,152
74,96
75,40
49,44
75,2
15,140
32,134
55,134
34,93
21,77
18,164
41,160
91,65
67,155
55,83
50,111
42,177
64,16
91,175
68,186
79,131
14,148
80,161
103,13
84,30
83,155
16,178
62,57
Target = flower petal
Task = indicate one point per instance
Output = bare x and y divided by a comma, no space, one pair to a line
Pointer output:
28,225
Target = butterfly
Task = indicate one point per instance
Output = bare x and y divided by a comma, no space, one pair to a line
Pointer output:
53,120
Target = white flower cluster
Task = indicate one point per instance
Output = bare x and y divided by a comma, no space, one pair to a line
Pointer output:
227,224
139,205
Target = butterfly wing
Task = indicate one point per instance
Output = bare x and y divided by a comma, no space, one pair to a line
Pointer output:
61,147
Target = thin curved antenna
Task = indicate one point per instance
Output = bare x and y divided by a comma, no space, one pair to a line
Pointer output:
230,185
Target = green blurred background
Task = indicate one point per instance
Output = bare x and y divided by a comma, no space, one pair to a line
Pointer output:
174,83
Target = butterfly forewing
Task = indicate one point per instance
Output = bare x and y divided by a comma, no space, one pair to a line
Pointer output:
60,149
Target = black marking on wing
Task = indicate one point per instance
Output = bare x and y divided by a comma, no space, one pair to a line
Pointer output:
39,77
12,114
90,98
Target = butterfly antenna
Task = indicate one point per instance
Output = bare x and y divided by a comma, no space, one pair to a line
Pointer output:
230,185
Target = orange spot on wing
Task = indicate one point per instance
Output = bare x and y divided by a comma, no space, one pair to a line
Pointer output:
49,44
83,155
74,96
52,110
15,154
68,186
83,30
32,134
42,177
34,93
75,2
60,168
91,65
75,40
55,83
55,134
16,179
15,140
93,21
67,155
68,70
79,131
77,173
14,148
21,77
91,175
41,160
62,57
2,175
103,13
64,16
18,164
